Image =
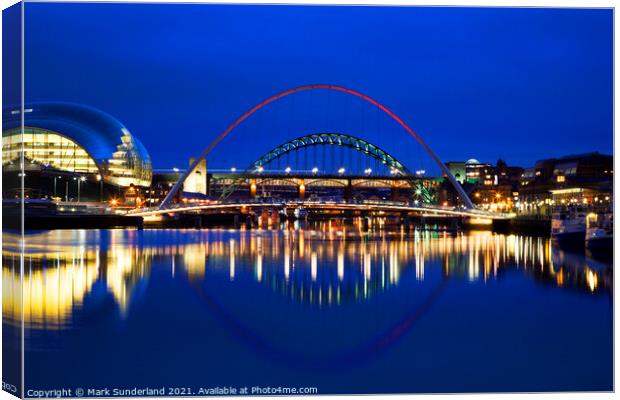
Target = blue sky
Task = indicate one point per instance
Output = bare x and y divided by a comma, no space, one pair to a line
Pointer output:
520,84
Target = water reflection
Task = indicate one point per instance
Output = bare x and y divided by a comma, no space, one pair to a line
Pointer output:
319,268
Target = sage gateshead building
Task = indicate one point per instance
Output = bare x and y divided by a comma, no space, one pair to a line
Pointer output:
71,140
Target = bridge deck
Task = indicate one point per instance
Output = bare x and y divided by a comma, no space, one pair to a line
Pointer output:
326,205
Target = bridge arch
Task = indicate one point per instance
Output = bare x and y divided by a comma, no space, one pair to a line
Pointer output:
336,139
173,191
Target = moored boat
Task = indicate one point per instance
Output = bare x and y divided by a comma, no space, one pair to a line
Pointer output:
568,226
600,232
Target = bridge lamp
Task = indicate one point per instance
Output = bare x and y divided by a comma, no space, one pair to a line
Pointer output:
418,191
233,169
368,171
415,202
287,170
341,171
393,171
260,169
315,170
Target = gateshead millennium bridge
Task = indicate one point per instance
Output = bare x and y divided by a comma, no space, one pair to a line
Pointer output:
420,200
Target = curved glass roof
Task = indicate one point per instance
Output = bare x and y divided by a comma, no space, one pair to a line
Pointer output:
105,138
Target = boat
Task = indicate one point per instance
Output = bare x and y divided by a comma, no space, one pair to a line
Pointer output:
600,232
568,226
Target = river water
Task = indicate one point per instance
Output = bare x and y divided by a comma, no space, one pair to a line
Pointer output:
327,307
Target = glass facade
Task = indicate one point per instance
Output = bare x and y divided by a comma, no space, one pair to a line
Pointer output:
130,163
47,148
77,139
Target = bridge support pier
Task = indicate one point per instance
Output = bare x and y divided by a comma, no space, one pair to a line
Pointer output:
394,192
366,221
454,224
252,188
301,190
348,190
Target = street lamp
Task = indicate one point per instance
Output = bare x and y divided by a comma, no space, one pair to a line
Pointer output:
368,171
233,169
82,179
287,170
341,171
315,170
100,187
56,177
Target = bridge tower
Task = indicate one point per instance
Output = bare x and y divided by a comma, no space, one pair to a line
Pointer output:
196,181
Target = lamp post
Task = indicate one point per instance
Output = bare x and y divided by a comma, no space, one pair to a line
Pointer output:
79,181
56,177
100,188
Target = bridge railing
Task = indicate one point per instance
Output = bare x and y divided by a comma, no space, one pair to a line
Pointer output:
322,201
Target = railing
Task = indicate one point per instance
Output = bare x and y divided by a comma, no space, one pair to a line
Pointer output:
403,205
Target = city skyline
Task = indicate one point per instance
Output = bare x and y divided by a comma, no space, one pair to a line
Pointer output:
489,87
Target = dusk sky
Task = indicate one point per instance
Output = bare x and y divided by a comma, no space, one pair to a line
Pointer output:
517,84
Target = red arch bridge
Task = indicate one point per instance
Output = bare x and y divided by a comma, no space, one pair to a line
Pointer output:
421,205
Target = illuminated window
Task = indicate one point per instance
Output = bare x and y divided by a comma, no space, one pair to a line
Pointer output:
47,148
129,164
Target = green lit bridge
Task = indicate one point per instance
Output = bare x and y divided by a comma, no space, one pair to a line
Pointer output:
396,177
